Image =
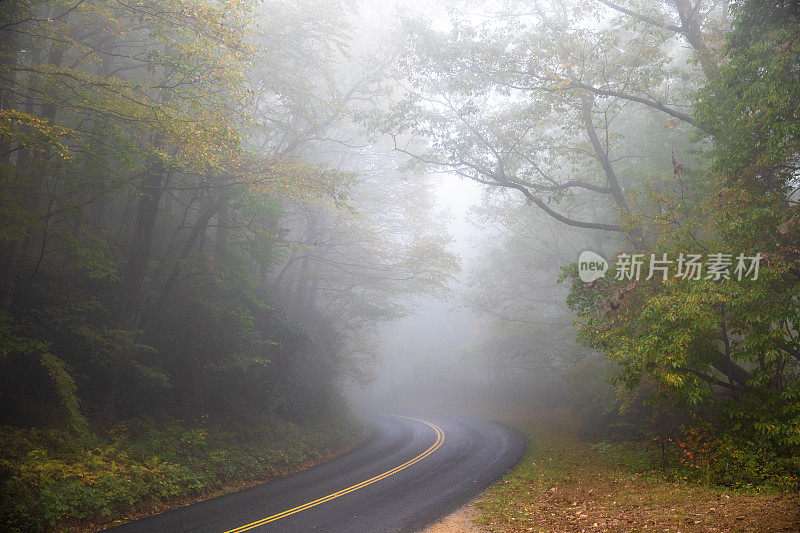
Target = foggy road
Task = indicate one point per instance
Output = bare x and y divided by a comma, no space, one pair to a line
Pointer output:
412,472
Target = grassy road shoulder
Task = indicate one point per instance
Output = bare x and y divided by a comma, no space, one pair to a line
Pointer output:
565,483
138,468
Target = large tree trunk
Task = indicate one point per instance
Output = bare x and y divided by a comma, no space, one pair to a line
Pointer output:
735,373
133,275
208,211
601,153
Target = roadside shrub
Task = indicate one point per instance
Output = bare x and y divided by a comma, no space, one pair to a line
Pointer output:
754,443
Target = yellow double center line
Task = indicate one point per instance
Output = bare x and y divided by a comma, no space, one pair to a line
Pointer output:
439,441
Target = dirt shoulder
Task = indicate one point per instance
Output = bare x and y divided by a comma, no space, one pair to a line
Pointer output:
462,521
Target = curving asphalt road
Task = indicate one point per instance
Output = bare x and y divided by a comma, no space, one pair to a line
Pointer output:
411,473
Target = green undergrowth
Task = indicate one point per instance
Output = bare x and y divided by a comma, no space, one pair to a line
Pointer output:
732,469
51,481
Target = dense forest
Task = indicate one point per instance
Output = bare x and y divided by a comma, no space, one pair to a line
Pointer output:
210,209
188,243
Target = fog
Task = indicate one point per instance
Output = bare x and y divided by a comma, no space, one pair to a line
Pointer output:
231,217
370,201
428,345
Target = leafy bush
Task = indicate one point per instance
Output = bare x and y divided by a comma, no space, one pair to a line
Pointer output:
754,444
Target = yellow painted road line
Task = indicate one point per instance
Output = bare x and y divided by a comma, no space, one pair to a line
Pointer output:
439,441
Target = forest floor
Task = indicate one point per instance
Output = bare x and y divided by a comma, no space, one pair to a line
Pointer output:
564,483
138,468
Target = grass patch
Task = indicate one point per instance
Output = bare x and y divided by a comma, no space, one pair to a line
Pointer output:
565,483
50,481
